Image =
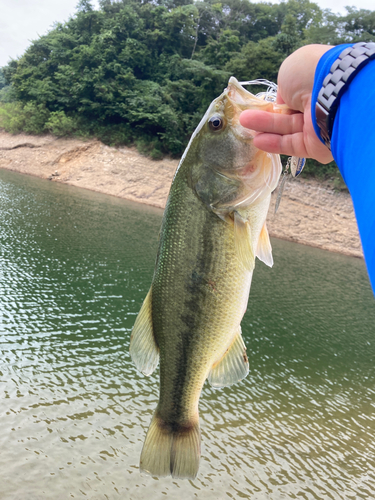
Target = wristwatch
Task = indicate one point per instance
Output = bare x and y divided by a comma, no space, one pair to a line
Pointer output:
343,70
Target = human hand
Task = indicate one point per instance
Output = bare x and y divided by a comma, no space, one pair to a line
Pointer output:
291,134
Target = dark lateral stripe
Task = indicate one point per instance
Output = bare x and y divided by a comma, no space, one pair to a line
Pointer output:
193,311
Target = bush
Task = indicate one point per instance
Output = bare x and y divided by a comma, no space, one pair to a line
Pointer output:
328,172
60,125
148,147
110,134
35,117
16,117
321,172
7,94
11,118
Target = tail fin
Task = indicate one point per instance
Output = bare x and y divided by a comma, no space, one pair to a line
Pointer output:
171,450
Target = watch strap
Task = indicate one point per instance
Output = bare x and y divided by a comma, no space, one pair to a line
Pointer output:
350,61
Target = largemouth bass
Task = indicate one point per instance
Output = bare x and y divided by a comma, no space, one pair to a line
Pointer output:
212,230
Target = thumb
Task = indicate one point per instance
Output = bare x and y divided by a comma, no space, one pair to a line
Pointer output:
279,99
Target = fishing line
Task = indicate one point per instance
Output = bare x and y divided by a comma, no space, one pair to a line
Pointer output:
269,94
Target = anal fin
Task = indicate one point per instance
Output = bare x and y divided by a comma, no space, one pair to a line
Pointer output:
233,366
143,348
264,249
243,242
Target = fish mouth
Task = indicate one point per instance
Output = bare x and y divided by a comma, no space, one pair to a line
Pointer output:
238,99
242,98
236,93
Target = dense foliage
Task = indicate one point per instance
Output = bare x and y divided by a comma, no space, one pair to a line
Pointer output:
145,71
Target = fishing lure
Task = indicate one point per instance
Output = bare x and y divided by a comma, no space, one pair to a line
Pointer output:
294,164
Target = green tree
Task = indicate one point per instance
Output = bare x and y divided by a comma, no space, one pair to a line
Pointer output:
146,70
359,25
288,40
219,52
2,79
257,60
328,30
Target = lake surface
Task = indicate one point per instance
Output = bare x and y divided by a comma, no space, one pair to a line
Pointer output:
75,267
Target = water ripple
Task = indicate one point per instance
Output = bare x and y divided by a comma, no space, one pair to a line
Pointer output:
75,267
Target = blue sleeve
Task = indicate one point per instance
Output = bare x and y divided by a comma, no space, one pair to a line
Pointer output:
353,146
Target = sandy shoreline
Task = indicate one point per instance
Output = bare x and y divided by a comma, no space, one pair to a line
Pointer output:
309,213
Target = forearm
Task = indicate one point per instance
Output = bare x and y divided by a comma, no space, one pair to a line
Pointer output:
353,144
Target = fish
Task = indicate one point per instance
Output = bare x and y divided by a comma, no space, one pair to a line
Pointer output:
213,228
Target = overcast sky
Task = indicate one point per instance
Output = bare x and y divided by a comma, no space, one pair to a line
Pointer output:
21,21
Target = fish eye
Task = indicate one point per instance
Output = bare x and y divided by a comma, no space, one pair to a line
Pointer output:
215,123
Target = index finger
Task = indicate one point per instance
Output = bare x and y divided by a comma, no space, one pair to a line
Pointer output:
272,123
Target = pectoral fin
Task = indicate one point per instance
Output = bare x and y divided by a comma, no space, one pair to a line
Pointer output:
143,348
264,249
233,366
242,241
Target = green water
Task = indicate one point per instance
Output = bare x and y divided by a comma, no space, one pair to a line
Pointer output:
74,269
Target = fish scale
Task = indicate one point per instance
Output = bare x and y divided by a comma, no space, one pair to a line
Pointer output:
213,228
193,285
